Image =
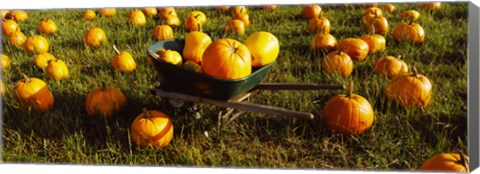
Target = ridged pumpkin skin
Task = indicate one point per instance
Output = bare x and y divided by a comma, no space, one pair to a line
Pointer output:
104,101
410,89
446,162
390,66
172,20
371,13
150,12
409,33
410,15
376,42
192,24
17,39
18,15
33,93
47,26
239,11
236,26
36,44
311,11
337,62
245,18
57,69
378,24
124,62
348,114
152,129
137,18
167,11
9,26
195,44
264,48
95,37
5,62
162,32
41,60
200,16
170,56
89,15
319,24
323,41
227,59
356,48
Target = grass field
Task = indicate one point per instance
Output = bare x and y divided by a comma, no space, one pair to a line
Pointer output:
400,138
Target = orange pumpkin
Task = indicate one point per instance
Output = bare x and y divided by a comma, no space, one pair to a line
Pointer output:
152,129
376,42
227,59
33,93
109,12
349,114
311,11
200,16
57,69
170,56
17,39
409,32
17,15
337,62
431,5
239,11
411,89
41,60
224,8
89,15
371,13
390,66
446,162
162,32
105,101
236,26
410,15
149,12
9,27
123,61
167,11
389,8
192,24
323,41
137,18
195,44
36,44
356,48
377,24
172,20
95,37
47,26
5,62
319,24
3,14
264,48
245,18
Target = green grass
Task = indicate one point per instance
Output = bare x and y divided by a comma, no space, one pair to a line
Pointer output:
400,139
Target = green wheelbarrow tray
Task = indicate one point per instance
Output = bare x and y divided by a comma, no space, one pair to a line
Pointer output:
182,80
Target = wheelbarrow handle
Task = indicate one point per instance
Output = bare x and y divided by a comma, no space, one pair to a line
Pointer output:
296,86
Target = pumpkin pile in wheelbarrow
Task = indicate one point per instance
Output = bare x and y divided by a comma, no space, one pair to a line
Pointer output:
219,70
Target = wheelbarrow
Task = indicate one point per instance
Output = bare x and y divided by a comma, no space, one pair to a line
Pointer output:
180,84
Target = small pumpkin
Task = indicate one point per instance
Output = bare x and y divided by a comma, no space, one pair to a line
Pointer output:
47,26
409,32
123,61
190,65
41,60
376,42
162,32
172,20
17,38
57,70
378,24
390,66
17,15
410,89
192,24
431,6
319,24
200,16
446,162
149,12
137,18
105,101
245,18
95,37
167,11
5,62
9,27
370,13
170,56
349,114
311,11
337,62
237,26
239,11
31,92
323,41
36,44
410,15
390,8
264,48
89,15
195,44
227,59
109,12
152,129
356,48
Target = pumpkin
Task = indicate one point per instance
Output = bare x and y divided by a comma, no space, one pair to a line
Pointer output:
356,48
195,44
390,66
200,16
264,48
245,18
123,61
348,114
239,11
152,129
319,24
446,162
170,56
227,59
389,8
311,11
41,60
237,26
149,12
376,42
5,62
410,15
95,37
409,32
33,93
192,24
36,44
410,89
167,11
17,39
337,62
378,24
56,69
323,41
224,8
9,27
137,18
370,13
172,20
3,14
89,15
17,15
431,5
162,32
109,12
104,101
47,26
190,65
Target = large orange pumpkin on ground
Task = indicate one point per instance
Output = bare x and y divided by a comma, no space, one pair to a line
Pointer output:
319,24
36,44
47,26
390,66
33,93
9,27
356,48
446,162
162,32
349,114
376,42
337,62
95,37
410,89
57,69
105,101
152,129
123,61
409,32
17,38
311,11
323,41
227,59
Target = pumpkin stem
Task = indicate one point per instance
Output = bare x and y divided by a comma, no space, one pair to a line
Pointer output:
171,12
199,26
197,16
463,161
415,72
241,9
115,48
411,21
399,57
373,29
25,77
146,114
350,89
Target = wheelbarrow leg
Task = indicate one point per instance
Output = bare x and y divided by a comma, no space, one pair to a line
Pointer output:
224,119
